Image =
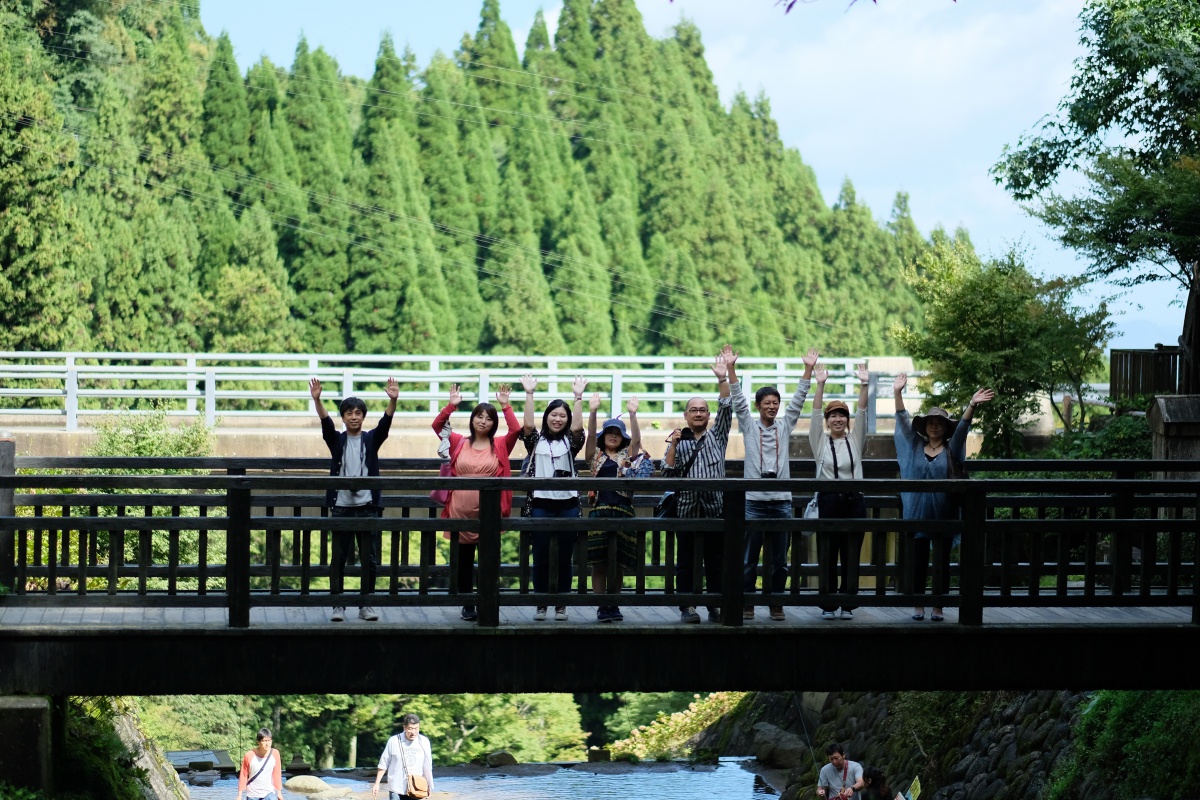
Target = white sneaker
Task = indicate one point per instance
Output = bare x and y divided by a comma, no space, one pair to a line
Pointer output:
827,615
367,613
539,614
847,614
560,613
339,614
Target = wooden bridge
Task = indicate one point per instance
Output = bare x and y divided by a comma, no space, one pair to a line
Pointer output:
213,578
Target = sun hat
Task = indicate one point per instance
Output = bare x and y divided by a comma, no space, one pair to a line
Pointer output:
617,425
918,423
836,405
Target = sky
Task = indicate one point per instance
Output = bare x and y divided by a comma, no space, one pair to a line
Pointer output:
919,96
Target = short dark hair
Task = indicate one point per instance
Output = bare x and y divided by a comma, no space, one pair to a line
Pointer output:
834,748
765,392
566,431
351,403
263,733
489,411
409,719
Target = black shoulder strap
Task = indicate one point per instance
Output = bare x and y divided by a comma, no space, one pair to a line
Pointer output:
266,763
692,459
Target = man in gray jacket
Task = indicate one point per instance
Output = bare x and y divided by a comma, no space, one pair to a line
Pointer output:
766,443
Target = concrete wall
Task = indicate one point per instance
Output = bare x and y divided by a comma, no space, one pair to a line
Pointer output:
25,742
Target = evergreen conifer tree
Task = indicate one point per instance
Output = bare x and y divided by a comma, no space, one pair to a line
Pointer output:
226,117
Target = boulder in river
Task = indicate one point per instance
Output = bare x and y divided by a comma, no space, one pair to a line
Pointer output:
501,758
306,784
776,747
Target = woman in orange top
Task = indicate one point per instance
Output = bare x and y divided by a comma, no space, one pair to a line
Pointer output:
477,455
259,777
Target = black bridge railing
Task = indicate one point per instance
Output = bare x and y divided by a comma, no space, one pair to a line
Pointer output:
244,533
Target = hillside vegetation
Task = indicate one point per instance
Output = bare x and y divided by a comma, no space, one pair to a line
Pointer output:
595,196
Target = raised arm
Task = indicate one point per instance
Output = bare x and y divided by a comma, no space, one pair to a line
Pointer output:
635,432
589,446
721,370
795,407
864,378
859,431
314,388
981,396
741,406
577,388
898,386
817,427
529,384
392,390
439,421
958,440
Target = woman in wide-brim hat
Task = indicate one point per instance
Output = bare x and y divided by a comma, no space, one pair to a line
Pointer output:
931,446
837,447
609,452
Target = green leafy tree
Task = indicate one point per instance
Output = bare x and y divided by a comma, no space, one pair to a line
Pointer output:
1131,124
226,117
993,324
42,293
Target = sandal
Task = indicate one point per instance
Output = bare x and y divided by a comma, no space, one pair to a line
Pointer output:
918,617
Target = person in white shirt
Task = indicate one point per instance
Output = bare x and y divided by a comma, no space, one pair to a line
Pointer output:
406,753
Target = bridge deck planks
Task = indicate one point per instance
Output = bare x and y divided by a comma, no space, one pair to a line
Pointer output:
521,617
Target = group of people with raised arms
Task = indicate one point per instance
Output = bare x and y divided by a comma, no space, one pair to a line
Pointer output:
931,446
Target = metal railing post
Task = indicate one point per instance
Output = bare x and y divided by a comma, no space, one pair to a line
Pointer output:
8,455
72,400
668,386
490,530
210,398
434,387
485,387
618,407
347,383
733,550
191,385
237,554
872,394
972,555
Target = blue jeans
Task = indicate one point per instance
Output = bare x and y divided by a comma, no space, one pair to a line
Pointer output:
541,550
777,544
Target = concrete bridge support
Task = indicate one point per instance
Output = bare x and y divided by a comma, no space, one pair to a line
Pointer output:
25,737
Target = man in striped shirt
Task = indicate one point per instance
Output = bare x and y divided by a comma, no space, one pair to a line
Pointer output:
696,451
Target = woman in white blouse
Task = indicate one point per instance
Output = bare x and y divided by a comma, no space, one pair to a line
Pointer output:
837,447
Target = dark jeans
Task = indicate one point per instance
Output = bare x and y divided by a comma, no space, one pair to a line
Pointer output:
941,544
839,553
343,546
777,544
712,551
541,550
466,566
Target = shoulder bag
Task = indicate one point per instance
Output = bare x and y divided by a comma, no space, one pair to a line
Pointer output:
813,510
417,786
668,504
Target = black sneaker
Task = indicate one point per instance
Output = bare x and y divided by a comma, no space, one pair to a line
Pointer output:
714,614
469,614
614,614
603,614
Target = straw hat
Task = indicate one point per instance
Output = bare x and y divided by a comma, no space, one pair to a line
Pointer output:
934,413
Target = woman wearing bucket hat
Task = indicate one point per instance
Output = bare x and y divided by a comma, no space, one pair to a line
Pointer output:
838,448
931,446
608,453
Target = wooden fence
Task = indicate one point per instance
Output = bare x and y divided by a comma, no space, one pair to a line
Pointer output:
241,533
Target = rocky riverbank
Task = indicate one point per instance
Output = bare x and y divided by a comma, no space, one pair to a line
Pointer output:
976,746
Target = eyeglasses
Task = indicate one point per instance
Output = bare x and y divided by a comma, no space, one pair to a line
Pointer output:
697,410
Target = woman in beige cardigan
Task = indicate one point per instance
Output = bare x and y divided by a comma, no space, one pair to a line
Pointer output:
837,447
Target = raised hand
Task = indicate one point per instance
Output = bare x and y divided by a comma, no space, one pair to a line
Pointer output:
578,385
314,388
455,394
982,396
594,402
810,360
631,405
900,383
392,389
729,355
529,383
820,373
719,368
503,392
860,372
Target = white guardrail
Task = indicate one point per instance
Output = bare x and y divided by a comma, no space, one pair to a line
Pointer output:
76,385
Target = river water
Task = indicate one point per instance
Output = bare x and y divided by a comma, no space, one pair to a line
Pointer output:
731,779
